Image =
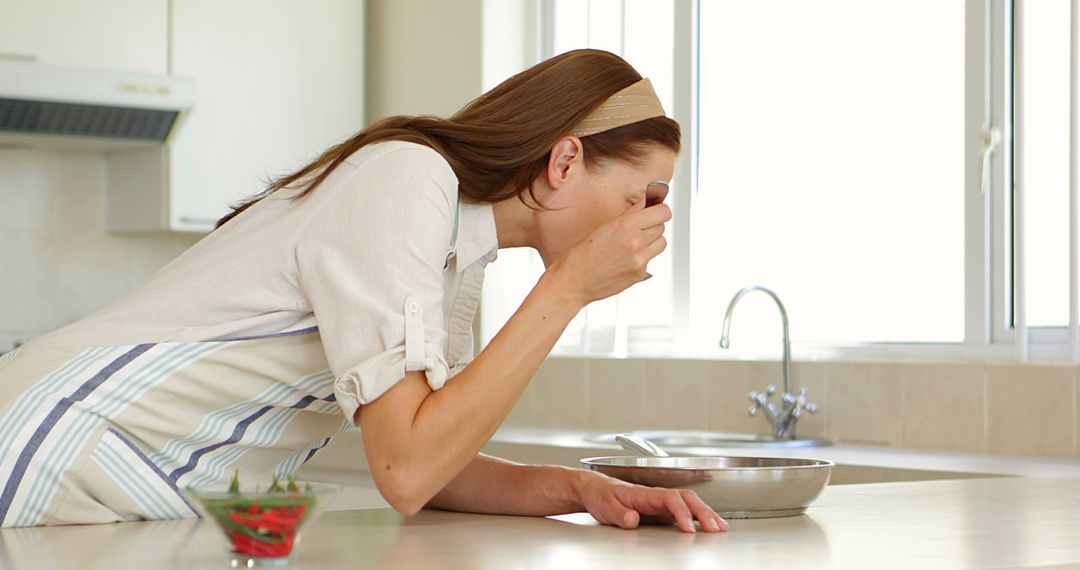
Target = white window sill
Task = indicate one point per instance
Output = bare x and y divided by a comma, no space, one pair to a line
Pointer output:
1039,354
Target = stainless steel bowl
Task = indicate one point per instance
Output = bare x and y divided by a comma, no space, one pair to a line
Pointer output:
735,487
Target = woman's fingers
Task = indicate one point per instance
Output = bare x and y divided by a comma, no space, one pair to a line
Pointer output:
616,255
628,518
710,521
666,506
617,503
651,216
676,504
649,235
655,247
615,512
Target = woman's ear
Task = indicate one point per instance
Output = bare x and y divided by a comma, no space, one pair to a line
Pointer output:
567,156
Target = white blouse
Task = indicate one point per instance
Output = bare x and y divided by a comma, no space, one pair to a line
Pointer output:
384,258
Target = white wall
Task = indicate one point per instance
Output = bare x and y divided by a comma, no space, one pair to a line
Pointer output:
423,57
58,263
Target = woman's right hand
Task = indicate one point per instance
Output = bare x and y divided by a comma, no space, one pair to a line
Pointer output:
615,255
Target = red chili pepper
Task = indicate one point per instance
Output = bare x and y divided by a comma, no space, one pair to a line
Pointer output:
276,530
243,544
281,516
253,509
240,519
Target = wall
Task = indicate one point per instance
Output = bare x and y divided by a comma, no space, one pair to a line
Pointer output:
972,407
423,57
59,264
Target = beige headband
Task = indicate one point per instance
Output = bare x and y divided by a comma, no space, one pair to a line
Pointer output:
634,103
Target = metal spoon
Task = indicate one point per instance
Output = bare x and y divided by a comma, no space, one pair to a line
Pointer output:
631,442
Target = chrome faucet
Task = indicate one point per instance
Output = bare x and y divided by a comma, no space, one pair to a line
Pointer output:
784,418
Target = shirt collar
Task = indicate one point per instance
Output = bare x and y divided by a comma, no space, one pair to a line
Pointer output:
477,238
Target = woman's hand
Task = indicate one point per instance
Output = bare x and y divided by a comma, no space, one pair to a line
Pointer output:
622,504
615,255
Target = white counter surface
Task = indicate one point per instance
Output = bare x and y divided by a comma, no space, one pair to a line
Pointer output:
1027,515
538,445
971,523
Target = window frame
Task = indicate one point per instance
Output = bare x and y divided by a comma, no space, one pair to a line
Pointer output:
994,327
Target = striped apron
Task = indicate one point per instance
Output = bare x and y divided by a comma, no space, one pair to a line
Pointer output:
112,433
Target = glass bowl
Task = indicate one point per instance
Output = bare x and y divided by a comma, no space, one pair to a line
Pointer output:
262,527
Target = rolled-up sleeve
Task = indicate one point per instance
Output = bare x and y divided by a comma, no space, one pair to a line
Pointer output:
371,265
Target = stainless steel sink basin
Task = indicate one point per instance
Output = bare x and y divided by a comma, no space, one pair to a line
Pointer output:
682,438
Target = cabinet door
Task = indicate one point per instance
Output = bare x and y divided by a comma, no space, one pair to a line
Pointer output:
126,35
277,82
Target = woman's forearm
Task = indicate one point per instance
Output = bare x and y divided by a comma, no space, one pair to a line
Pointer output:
417,440
416,454
494,486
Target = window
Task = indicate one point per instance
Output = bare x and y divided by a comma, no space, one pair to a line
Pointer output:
641,31
857,157
1045,161
832,168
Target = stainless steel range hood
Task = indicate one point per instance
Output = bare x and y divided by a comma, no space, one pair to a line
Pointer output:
54,107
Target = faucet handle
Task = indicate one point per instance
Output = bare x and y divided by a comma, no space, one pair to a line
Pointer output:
759,401
801,404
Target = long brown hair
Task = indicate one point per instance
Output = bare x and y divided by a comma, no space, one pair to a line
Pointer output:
499,143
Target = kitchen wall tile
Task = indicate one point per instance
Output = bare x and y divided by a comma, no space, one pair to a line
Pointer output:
62,264
1030,410
20,287
1076,411
561,396
60,278
617,389
811,375
52,190
945,406
522,413
677,394
730,383
865,403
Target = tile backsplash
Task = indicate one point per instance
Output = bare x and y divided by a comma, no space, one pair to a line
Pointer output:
972,407
61,264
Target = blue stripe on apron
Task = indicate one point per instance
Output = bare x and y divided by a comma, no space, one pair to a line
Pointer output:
61,408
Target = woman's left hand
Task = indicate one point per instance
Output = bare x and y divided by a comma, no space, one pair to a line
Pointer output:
614,502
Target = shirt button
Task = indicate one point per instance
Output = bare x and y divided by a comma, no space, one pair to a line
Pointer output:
414,307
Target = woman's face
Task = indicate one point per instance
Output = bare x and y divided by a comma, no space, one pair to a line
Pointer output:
582,199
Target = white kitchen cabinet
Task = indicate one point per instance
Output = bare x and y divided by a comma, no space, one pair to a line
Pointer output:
277,82
125,35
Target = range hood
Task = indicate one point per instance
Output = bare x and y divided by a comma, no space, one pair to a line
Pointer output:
80,109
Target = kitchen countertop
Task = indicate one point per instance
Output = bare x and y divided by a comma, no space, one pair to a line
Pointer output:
344,457
972,523
540,445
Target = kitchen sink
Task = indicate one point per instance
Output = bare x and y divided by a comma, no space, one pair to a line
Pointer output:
683,438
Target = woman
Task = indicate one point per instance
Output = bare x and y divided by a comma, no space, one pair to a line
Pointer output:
349,287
